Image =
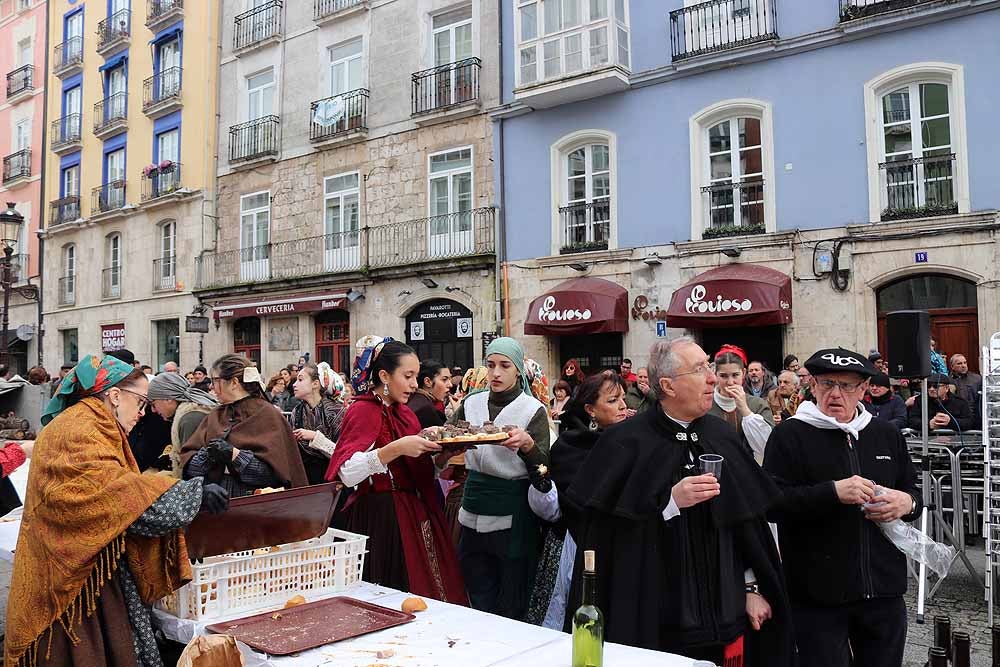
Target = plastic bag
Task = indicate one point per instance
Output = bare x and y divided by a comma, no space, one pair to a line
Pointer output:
919,547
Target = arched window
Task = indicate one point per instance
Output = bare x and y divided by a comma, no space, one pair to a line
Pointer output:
111,278
732,170
583,185
916,142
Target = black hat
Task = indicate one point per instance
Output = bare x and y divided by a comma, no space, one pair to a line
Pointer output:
123,355
880,380
934,379
201,368
874,356
839,360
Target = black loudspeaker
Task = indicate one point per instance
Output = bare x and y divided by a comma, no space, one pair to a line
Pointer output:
908,339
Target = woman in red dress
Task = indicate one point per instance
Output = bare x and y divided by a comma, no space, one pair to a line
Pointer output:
395,501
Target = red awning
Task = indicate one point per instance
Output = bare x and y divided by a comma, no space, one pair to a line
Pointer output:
283,305
735,295
579,306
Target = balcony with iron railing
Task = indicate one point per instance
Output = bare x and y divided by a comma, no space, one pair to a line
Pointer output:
108,198
585,226
113,31
66,134
111,283
858,9
258,139
720,25
161,93
165,273
161,180
733,208
161,12
17,167
20,82
64,210
67,57
111,115
258,26
443,237
918,187
442,88
67,290
334,117
325,10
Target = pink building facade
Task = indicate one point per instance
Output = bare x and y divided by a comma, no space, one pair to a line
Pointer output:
22,118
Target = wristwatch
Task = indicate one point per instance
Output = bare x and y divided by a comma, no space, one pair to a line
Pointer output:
752,588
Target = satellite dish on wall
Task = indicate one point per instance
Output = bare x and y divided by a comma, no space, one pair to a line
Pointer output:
25,332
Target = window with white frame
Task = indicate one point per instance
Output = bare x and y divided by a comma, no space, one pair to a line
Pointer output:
450,201
916,137
168,256
732,170
345,67
113,272
255,236
557,38
260,94
22,134
68,287
452,35
586,196
24,52
341,222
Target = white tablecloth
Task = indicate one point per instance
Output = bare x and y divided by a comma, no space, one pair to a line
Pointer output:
442,636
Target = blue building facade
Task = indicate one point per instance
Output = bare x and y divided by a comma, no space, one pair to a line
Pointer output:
845,145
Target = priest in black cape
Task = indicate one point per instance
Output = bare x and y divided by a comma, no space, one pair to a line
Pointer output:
685,563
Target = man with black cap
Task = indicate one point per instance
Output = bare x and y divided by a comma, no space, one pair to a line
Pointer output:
944,409
884,404
842,473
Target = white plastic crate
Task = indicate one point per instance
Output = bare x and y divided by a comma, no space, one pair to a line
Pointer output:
248,581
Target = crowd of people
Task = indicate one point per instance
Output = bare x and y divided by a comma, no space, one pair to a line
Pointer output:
713,563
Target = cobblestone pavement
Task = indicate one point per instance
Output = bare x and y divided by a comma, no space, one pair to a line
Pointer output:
959,598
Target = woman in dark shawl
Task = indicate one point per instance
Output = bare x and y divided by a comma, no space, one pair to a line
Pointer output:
434,388
317,418
395,501
245,444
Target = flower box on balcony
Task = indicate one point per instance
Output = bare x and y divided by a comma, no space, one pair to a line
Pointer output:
928,211
732,230
589,246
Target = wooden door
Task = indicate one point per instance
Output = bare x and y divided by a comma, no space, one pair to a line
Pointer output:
333,343
956,331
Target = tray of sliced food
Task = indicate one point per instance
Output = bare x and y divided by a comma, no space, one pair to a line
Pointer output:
464,433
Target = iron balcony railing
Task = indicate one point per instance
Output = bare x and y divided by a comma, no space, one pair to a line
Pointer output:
161,181
585,226
66,130
20,80
856,9
111,282
257,24
719,25
165,273
114,28
17,165
160,87
465,234
918,187
110,110
67,290
108,197
68,54
333,116
733,208
254,139
158,9
324,8
445,86
63,210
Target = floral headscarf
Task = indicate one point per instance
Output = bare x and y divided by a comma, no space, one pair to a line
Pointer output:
369,348
475,379
539,383
329,380
88,378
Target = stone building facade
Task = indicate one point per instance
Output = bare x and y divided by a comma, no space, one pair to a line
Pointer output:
356,190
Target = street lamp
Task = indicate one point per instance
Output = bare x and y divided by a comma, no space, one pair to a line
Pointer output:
10,226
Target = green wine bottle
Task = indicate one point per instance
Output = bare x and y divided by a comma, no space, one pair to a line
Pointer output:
588,621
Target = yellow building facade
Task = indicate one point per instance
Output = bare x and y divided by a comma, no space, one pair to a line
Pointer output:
129,176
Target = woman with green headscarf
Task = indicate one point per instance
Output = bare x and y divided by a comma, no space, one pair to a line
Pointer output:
498,546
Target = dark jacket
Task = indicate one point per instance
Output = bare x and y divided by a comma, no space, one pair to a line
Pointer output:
890,408
427,414
832,554
638,401
962,418
765,387
968,387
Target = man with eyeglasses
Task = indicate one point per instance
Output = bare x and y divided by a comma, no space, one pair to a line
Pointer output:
842,473
944,408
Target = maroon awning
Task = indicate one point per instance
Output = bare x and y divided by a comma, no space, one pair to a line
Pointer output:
735,295
579,306
280,305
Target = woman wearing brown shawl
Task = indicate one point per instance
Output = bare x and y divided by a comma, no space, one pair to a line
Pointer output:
246,444
99,541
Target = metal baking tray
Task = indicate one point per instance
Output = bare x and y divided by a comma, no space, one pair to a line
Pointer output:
311,625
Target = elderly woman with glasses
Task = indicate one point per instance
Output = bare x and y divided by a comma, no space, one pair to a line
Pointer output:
245,444
99,541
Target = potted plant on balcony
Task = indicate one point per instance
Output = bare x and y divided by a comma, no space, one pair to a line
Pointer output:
732,230
150,170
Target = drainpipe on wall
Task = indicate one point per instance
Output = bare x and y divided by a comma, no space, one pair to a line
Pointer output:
41,198
500,281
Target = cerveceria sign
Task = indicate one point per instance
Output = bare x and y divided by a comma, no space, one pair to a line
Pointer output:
288,305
